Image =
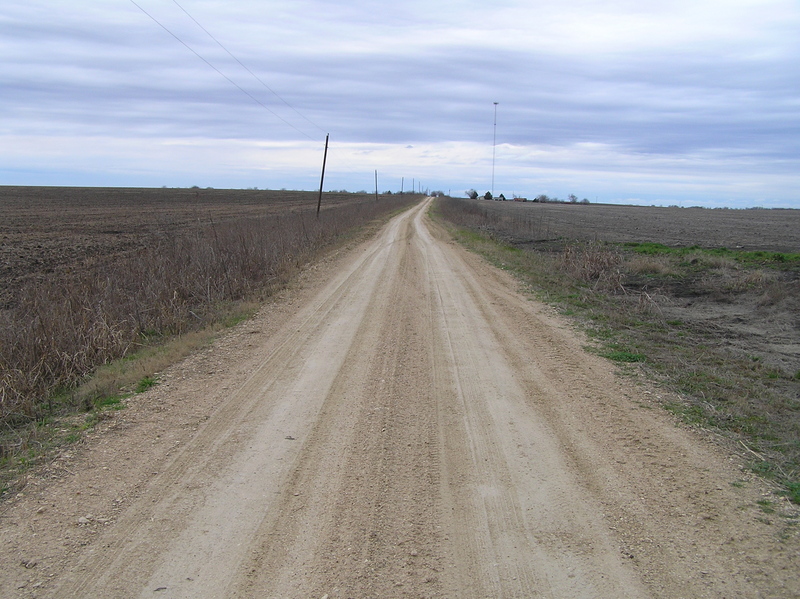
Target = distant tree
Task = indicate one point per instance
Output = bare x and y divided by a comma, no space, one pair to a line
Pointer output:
573,199
472,194
487,195
584,201
542,198
501,197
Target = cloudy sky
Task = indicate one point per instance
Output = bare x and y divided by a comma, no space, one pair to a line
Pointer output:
692,102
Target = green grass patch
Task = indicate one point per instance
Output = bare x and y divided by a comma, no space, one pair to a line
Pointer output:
762,258
690,414
73,438
624,356
766,506
792,491
111,402
146,383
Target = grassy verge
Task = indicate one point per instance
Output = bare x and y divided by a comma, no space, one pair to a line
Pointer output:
664,311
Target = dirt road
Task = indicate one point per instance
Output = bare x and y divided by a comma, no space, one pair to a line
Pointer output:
404,424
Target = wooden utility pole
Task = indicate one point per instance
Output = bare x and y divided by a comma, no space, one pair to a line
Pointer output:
322,178
376,185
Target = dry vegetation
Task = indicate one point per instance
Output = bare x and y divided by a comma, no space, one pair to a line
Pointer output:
720,326
169,262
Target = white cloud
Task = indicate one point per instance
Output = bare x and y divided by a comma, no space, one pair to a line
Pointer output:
623,98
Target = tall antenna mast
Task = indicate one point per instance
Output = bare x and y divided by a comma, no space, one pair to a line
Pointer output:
494,144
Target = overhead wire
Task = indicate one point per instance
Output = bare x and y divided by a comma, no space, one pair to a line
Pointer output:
241,64
231,81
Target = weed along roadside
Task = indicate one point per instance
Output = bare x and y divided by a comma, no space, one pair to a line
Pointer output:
79,336
719,326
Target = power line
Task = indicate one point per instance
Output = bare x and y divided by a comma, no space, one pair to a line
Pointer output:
231,81
241,64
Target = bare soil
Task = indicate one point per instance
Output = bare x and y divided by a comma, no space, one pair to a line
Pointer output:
52,229
768,230
400,423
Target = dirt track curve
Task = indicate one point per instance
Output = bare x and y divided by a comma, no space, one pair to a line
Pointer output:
405,425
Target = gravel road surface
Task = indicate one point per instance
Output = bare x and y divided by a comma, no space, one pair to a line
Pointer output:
402,423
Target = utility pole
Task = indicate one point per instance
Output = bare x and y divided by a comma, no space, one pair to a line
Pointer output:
322,178
376,185
494,144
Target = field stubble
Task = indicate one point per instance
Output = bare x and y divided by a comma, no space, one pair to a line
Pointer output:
89,276
661,291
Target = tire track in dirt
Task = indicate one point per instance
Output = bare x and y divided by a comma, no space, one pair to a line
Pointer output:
532,531
419,429
364,526
209,495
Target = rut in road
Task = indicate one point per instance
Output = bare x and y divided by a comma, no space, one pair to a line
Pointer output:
419,429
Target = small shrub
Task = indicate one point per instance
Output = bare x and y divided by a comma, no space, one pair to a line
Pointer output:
593,263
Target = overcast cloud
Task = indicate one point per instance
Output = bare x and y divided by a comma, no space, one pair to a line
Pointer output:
691,103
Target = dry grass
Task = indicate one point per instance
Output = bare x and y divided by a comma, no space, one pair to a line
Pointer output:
594,263
109,379
647,265
58,332
752,280
719,262
775,292
483,217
